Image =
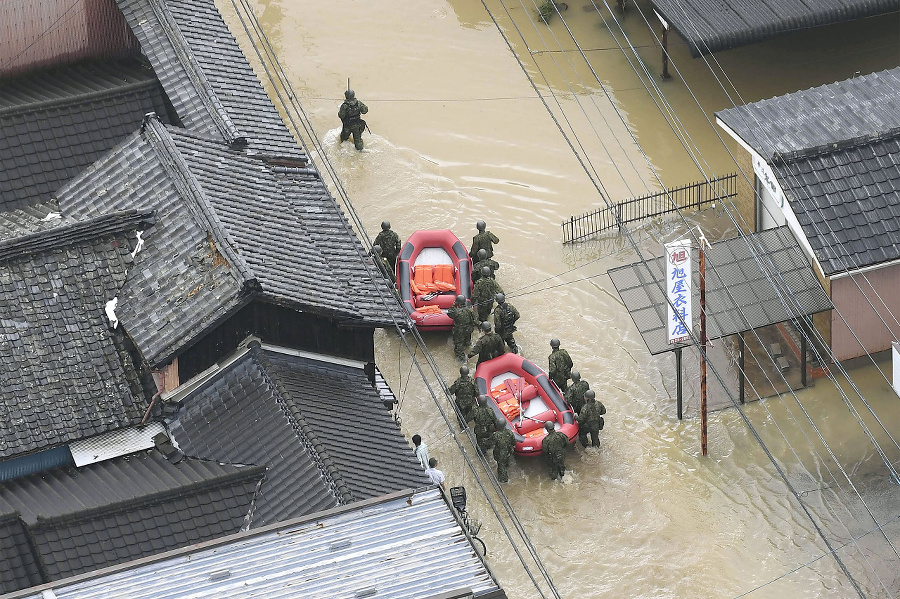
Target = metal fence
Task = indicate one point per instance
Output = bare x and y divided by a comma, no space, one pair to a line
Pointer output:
693,195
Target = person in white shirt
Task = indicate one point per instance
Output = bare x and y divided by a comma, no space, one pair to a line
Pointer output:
436,476
421,451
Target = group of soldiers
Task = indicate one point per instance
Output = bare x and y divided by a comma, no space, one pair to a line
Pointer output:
492,431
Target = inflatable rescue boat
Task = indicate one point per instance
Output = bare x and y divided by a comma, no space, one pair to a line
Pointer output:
432,269
523,395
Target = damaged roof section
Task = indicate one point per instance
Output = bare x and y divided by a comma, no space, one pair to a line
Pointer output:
229,230
83,519
55,123
67,374
207,77
321,428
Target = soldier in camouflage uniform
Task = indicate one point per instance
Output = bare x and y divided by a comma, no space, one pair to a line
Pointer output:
560,365
554,446
349,113
574,395
590,420
485,290
485,240
485,420
504,442
505,317
483,261
463,324
489,346
464,391
390,244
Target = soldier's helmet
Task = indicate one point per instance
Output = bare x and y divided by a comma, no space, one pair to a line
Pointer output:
576,376
464,370
461,300
385,224
501,422
486,326
554,343
481,225
349,94
377,249
589,394
500,298
482,400
549,426
482,254
485,271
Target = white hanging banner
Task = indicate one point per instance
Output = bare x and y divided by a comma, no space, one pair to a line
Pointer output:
678,288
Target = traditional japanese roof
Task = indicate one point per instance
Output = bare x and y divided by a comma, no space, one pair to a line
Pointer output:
66,372
54,123
847,201
834,150
863,106
403,546
82,519
229,230
31,219
18,565
207,77
747,281
713,26
320,427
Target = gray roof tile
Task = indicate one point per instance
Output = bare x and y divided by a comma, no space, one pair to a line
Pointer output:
834,113
848,222
212,86
66,374
229,228
18,564
55,123
82,519
321,429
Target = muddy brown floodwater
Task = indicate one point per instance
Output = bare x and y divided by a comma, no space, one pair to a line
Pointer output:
459,134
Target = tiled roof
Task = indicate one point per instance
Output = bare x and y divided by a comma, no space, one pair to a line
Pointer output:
711,26
400,547
320,427
30,219
212,86
862,106
847,200
55,123
83,519
240,416
66,374
228,229
18,566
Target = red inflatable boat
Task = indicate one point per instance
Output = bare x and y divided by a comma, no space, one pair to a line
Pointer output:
432,269
526,398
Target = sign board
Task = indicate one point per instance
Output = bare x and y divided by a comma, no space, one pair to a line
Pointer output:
678,289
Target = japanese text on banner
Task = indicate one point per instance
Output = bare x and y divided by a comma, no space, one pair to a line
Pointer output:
678,289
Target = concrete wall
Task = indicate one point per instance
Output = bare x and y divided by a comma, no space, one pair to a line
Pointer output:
51,32
745,201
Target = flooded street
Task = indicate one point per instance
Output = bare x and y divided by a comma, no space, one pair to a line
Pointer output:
458,134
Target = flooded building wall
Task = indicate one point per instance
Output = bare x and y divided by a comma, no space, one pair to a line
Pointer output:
867,302
52,32
745,201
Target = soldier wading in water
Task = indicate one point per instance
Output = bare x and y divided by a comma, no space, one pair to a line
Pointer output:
349,113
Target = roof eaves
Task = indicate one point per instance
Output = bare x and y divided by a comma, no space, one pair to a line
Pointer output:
783,158
191,190
204,90
82,98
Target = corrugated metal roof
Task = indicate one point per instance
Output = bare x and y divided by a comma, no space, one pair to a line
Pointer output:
713,25
403,548
114,444
742,292
812,118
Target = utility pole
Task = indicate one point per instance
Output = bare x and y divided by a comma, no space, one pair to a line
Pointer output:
703,245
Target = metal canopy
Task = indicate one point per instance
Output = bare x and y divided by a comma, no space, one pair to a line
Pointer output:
744,291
